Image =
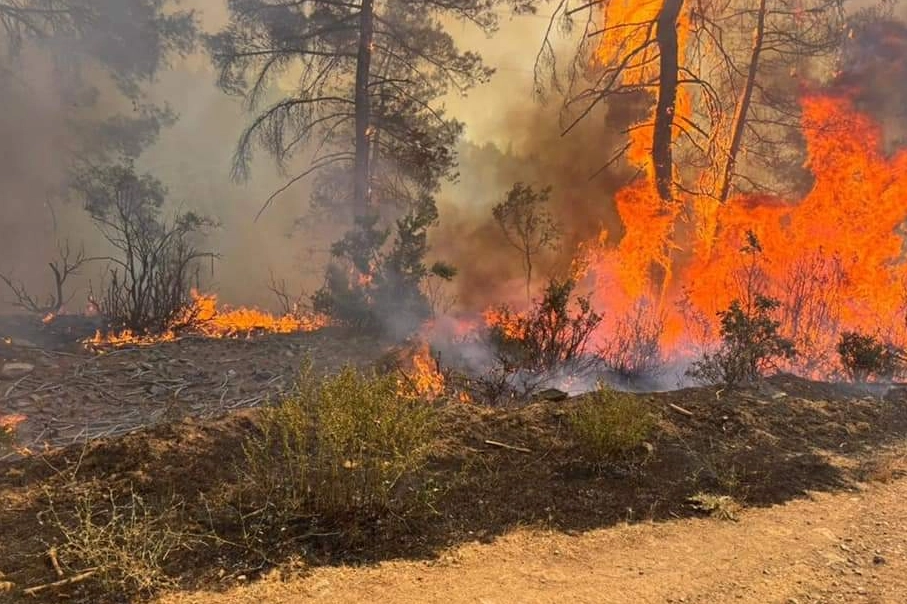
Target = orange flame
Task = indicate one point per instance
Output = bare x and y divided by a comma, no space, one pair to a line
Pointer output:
204,317
835,260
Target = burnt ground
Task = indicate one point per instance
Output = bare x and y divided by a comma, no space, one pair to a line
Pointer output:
763,447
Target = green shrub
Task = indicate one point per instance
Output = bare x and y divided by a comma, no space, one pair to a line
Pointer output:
608,425
864,357
340,446
554,332
750,344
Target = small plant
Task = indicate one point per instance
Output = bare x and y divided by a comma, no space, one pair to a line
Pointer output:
553,333
609,425
750,345
339,447
8,424
122,542
720,507
865,357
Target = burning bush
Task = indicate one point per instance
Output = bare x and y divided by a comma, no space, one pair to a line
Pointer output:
865,357
338,447
750,344
609,425
375,289
548,336
149,282
633,348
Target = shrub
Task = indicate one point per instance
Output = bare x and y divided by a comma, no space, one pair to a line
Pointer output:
373,286
750,344
633,348
609,425
551,334
865,357
149,281
8,424
339,447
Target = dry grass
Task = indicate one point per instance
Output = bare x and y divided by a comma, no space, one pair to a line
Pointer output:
123,542
720,507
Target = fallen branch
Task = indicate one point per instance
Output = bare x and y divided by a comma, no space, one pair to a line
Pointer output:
680,410
54,560
495,443
68,581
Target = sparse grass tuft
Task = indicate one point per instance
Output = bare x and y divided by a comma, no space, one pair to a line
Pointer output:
338,447
123,541
609,425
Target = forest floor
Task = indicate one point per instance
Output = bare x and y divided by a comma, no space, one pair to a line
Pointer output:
810,481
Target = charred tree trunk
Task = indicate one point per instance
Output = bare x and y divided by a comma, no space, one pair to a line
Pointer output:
363,110
669,64
743,107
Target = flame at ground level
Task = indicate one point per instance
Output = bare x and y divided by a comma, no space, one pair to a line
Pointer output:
835,260
205,318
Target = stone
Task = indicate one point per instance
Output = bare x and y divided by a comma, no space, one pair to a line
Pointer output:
552,394
14,371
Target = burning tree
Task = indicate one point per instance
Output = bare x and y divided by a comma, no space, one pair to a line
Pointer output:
723,76
150,279
527,225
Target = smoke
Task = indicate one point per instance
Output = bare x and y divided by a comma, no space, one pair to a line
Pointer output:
539,154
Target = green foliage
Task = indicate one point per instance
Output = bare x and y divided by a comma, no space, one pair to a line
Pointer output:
338,447
527,226
608,425
750,344
554,332
377,287
865,357
751,340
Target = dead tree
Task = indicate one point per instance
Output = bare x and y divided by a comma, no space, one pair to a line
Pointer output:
62,268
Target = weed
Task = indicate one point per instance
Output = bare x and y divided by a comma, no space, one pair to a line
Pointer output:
721,507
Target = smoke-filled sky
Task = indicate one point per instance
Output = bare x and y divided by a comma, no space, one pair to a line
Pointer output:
509,137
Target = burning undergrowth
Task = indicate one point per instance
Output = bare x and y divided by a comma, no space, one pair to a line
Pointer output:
203,317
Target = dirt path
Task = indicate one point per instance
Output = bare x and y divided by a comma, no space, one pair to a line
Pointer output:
845,547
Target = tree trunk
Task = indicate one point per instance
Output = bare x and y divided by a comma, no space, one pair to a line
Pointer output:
669,64
363,110
743,107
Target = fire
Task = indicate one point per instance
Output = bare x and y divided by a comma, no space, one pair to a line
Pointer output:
205,318
835,259
627,40
427,380
9,423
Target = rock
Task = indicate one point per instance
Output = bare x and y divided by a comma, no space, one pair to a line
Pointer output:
14,371
552,394
878,560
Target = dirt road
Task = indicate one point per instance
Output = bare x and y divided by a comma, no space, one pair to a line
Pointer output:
844,547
